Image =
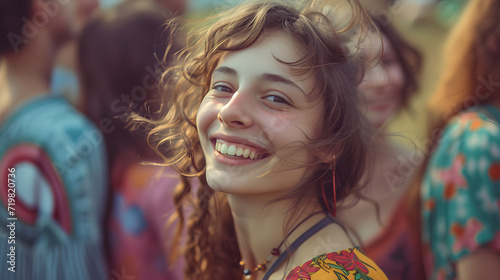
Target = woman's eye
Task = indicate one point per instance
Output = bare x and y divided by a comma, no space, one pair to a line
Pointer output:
222,88
277,99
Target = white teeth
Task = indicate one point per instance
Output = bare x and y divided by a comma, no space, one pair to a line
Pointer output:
223,148
231,150
246,153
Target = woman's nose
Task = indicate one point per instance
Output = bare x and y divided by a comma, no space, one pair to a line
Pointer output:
379,76
237,112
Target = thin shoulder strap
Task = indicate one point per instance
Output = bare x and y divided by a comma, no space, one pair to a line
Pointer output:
299,241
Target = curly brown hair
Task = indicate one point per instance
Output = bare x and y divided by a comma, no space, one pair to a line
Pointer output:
212,248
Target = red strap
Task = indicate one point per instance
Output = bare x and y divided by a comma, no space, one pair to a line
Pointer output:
35,155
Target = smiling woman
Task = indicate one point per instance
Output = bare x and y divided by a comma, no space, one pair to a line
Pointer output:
265,112
248,97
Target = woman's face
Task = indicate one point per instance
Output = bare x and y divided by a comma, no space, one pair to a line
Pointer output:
256,118
382,84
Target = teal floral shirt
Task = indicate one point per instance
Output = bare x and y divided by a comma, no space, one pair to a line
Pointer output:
461,192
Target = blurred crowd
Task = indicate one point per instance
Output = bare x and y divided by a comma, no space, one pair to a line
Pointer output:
92,199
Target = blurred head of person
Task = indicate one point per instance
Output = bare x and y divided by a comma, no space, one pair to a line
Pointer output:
24,21
119,56
389,82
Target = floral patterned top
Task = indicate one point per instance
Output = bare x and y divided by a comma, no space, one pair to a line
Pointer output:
461,192
351,264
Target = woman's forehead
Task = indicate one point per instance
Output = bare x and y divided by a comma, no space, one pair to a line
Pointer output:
270,54
280,43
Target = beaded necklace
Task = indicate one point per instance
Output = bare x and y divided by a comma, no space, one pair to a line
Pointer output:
247,273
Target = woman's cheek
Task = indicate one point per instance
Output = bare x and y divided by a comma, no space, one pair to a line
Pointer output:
397,78
206,115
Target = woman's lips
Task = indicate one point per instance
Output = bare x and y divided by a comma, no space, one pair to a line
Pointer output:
379,106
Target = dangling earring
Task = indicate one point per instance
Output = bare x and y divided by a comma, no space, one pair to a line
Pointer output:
325,200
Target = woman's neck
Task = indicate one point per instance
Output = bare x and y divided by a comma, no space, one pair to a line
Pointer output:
262,225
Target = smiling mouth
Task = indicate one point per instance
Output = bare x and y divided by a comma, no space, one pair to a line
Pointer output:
233,150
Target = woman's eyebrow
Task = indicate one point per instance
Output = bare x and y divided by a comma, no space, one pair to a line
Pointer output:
280,79
266,76
226,70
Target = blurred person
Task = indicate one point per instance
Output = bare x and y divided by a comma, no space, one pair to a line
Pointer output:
52,163
119,56
460,184
64,80
384,230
